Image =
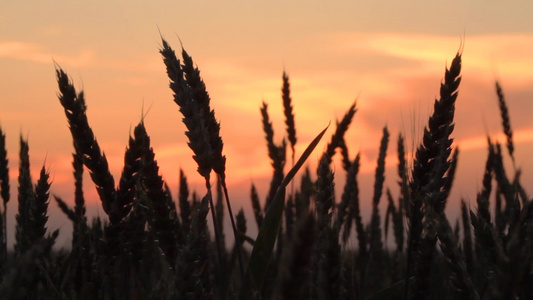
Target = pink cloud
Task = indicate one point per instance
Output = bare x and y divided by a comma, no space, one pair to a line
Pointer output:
35,53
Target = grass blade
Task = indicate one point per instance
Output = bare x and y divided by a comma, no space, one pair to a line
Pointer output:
267,235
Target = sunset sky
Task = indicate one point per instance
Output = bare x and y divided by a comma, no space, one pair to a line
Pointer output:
389,55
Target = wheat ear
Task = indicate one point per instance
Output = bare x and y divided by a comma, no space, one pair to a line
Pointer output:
430,165
506,122
85,143
287,110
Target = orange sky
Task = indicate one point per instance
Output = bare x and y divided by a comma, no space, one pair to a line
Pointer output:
390,55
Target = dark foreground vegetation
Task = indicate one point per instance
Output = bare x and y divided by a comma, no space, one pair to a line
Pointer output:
152,246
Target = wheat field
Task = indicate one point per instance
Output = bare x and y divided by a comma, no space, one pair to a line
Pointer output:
153,245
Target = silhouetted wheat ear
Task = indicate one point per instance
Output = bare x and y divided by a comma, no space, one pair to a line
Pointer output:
40,206
325,194
380,169
344,212
483,196
238,244
389,214
376,243
405,198
346,162
258,213
307,190
430,165
342,126
506,122
130,172
378,191
135,234
355,210
431,161
348,193
26,198
524,197
4,170
448,181
163,222
397,222
276,154
402,162
85,143
80,241
287,110
66,210
505,188
194,115
183,198
200,95
203,132
4,192
79,199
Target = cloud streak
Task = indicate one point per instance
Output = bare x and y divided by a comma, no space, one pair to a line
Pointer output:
36,53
